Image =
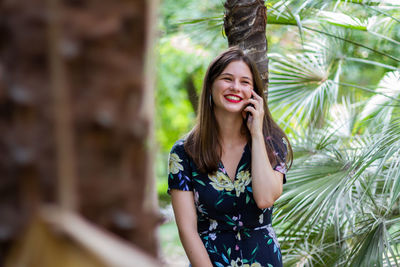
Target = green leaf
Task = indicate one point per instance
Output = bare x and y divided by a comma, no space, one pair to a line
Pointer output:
242,167
219,202
200,182
254,250
225,258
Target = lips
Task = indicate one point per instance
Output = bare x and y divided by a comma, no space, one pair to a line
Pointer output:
233,98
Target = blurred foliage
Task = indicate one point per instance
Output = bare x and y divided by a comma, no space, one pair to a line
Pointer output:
177,16
174,112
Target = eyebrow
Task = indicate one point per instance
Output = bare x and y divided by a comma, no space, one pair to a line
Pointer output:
243,77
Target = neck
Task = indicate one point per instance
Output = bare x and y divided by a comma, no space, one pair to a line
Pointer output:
230,126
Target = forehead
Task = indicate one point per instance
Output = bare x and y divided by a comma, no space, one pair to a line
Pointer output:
238,68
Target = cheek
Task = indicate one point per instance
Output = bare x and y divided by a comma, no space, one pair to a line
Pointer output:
247,93
214,92
214,89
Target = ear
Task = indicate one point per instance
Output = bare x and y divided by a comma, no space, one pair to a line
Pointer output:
244,114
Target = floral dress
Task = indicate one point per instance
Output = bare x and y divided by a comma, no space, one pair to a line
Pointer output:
234,231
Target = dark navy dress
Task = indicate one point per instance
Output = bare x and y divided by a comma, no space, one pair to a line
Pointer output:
234,230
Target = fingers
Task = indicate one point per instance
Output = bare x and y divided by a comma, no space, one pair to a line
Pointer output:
257,102
258,98
250,109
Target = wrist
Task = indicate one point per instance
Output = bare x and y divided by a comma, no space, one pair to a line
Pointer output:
257,136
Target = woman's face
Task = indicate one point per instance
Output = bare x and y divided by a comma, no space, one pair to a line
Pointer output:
232,87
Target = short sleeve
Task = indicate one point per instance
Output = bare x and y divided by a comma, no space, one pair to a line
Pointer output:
281,152
179,170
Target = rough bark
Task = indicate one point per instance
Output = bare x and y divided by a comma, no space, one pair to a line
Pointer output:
100,48
245,22
191,91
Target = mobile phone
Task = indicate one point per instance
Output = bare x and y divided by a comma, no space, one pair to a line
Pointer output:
248,113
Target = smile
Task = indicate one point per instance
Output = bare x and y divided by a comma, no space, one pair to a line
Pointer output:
233,98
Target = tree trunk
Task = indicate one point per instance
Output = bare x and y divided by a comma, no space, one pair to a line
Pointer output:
191,91
76,114
245,22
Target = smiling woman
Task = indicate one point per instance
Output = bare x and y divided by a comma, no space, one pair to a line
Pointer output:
225,176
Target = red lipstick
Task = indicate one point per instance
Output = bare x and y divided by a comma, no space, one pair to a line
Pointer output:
233,98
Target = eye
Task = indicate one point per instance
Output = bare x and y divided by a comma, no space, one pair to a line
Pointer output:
227,78
246,82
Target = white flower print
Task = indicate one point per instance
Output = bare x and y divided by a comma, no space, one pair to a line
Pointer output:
272,234
261,218
197,204
236,263
212,236
174,163
255,264
196,197
213,225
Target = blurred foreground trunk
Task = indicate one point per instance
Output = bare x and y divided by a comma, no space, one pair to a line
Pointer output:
245,22
76,117
59,238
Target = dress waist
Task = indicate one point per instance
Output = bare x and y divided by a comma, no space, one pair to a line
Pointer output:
239,231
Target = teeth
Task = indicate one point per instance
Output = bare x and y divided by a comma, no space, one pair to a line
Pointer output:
231,97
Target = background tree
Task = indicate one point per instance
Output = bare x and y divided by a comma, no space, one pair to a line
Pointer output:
76,115
244,25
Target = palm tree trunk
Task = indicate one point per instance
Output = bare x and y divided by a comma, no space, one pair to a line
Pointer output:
98,144
245,23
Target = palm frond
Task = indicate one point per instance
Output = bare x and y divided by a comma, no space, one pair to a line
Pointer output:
343,118
349,184
366,251
343,20
355,43
304,83
370,62
381,106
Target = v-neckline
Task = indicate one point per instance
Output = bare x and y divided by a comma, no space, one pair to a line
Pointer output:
224,171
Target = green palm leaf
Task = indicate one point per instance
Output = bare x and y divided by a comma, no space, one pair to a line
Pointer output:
380,107
352,187
304,83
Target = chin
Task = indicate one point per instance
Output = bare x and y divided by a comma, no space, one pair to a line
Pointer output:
234,110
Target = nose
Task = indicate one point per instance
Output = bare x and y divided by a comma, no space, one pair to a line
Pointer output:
236,85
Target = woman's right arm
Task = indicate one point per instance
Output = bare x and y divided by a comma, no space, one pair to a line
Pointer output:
186,220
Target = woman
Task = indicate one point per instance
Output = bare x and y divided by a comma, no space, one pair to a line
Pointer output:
226,175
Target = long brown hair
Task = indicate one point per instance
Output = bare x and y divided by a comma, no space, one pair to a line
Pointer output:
202,143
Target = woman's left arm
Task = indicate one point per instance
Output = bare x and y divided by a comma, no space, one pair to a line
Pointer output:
267,184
